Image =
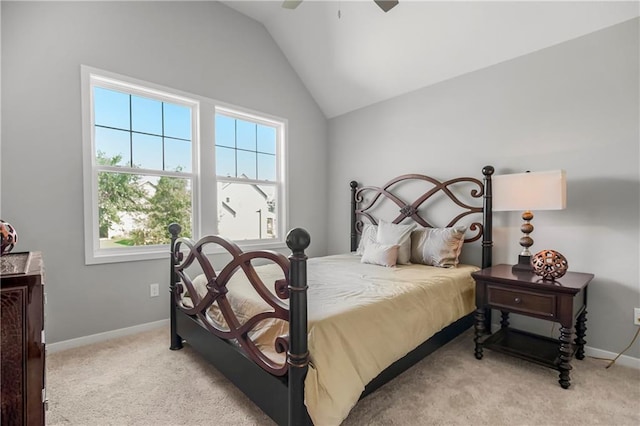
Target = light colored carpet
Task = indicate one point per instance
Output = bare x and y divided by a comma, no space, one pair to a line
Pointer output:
137,380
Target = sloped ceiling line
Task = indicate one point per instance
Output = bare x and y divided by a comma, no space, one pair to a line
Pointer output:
368,56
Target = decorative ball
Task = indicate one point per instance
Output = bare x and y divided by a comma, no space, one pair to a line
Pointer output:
8,237
526,228
549,264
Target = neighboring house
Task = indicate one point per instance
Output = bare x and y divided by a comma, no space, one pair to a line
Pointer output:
130,221
246,212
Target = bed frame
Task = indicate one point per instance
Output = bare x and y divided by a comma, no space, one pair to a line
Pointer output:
278,389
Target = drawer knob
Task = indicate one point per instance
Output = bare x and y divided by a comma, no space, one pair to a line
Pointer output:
517,300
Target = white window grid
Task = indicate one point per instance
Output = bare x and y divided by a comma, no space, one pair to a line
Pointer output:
202,175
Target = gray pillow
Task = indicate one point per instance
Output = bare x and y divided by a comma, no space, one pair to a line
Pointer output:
437,246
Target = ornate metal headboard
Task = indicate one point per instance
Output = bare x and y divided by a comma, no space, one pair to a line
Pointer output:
480,190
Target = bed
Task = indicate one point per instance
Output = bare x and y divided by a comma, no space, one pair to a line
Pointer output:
306,338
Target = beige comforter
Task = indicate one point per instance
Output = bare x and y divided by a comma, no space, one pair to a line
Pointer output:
362,318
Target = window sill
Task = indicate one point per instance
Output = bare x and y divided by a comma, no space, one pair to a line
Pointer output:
162,252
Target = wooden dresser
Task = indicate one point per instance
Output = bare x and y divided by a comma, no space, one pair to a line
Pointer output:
22,349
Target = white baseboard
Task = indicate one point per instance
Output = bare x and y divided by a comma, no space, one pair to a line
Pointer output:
627,361
100,337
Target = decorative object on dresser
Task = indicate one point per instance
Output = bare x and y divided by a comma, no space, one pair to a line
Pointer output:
549,264
8,237
563,301
23,347
525,192
272,366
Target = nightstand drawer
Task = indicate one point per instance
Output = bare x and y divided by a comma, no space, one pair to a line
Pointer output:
522,301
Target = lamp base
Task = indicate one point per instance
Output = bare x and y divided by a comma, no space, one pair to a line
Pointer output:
523,265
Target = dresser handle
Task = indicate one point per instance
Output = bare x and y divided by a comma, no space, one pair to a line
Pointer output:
517,300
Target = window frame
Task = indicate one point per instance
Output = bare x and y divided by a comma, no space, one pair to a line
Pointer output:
203,174
279,185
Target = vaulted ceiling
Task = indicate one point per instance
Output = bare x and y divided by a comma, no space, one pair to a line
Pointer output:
350,54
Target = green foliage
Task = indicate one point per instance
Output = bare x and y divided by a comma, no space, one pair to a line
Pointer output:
117,192
170,203
125,242
154,207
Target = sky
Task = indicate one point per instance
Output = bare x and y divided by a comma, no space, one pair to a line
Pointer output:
158,136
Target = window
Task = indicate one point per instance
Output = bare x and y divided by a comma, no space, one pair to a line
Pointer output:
154,156
246,168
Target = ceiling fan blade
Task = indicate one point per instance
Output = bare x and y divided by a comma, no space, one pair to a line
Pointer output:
291,4
386,5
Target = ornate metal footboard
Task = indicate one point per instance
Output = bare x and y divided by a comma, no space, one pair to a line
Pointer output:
238,346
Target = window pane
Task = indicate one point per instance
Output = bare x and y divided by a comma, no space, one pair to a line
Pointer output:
147,151
112,147
134,210
246,211
266,139
177,121
225,161
177,155
146,115
225,131
267,167
110,108
246,135
247,164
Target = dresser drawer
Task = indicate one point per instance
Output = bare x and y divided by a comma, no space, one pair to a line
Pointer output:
522,301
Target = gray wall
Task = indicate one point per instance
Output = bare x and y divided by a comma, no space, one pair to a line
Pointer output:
572,106
204,48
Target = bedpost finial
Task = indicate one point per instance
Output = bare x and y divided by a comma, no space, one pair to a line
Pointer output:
174,230
298,240
488,170
353,184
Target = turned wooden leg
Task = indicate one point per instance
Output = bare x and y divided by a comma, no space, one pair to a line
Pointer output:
581,330
479,331
565,357
504,323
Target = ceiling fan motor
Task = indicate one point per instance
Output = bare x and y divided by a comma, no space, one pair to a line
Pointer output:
385,5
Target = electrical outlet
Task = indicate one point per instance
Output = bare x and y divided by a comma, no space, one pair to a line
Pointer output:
636,316
154,290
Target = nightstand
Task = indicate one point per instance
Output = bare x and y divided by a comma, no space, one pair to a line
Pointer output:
563,301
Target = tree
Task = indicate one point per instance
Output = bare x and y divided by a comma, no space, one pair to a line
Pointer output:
152,206
170,203
117,193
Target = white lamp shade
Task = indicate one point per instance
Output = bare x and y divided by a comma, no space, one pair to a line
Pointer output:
530,191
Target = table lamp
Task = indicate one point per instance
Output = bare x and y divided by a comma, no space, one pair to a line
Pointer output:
526,192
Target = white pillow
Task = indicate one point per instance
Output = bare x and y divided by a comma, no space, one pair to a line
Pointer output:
437,246
368,236
391,233
380,254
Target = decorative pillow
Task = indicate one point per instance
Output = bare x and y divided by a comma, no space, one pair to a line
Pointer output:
437,246
391,233
368,235
380,254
